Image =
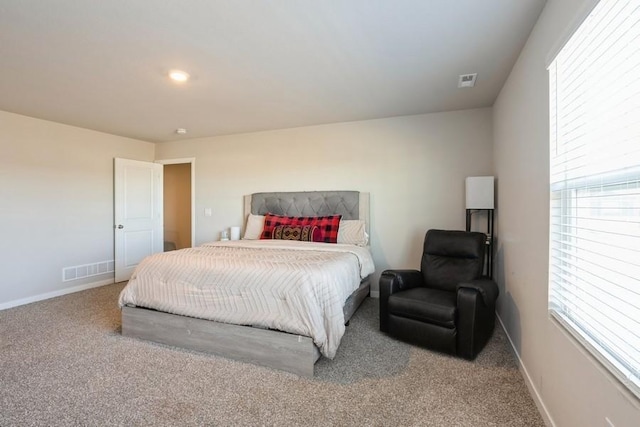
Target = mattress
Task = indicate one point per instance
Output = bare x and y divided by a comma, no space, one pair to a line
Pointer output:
291,286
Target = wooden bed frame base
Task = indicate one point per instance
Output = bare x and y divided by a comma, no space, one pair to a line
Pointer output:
280,350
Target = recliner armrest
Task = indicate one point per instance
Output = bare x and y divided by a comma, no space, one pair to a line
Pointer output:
485,286
393,281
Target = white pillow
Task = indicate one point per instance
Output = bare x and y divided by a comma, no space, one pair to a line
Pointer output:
353,232
255,224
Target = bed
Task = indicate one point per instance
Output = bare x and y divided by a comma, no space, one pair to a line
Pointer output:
258,317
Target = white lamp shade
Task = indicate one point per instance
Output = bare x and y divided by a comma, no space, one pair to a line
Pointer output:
235,233
479,192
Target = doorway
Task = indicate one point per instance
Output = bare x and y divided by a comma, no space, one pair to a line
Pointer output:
178,209
139,199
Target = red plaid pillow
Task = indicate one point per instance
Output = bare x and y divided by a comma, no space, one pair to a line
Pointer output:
328,225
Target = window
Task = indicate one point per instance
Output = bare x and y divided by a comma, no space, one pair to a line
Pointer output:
594,257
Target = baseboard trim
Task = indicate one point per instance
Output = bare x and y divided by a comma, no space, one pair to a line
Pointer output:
528,381
58,293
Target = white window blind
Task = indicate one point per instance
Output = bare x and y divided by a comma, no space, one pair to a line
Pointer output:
594,275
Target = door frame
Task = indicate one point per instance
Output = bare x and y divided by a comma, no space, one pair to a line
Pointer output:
192,161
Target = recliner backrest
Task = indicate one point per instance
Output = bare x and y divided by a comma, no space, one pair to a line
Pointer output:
452,257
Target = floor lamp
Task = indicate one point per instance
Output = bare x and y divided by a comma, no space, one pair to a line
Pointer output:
480,197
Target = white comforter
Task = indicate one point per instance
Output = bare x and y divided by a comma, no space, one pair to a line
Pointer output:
297,287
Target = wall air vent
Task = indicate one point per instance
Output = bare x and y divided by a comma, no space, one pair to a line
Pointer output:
87,270
467,80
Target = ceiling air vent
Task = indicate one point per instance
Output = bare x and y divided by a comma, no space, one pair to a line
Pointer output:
467,80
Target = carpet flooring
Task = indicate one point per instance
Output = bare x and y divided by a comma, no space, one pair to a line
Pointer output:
63,362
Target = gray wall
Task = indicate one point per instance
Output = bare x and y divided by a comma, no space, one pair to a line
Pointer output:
56,185
570,386
413,166
56,203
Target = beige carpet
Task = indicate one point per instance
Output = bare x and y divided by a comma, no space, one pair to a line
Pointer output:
63,362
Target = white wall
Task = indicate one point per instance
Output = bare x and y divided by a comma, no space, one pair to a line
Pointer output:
56,203
575,390
413,166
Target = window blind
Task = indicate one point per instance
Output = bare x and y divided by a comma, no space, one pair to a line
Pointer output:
594,265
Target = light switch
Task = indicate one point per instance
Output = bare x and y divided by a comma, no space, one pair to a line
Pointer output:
207,211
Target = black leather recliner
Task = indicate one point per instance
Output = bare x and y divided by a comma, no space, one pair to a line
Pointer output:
447,306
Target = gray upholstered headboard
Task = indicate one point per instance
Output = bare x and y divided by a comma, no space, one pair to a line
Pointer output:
349,204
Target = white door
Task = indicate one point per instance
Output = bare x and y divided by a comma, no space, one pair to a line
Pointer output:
138,214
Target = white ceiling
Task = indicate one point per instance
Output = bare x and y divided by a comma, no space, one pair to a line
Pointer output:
255,64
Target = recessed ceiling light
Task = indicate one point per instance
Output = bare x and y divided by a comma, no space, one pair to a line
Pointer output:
178,76
181,131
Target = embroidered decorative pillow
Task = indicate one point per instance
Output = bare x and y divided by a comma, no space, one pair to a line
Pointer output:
303,233
327,225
